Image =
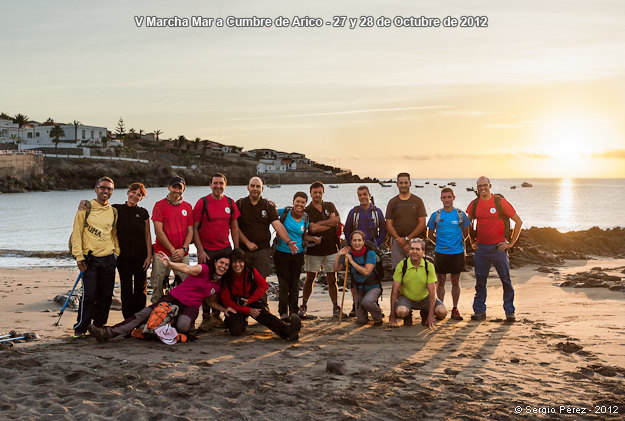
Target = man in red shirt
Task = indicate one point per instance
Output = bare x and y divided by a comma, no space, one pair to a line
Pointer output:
173,225
215,220
491,246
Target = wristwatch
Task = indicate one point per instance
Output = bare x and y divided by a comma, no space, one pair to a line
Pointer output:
186,249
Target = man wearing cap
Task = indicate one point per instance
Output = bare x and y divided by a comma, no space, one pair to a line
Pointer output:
214,221
173,225
257,214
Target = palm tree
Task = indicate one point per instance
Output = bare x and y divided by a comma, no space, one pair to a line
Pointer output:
49,122
76,123
20,119
57,133
5,116
157,133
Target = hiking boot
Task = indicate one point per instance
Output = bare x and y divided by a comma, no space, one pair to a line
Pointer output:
353,312
294,327
408,320
377,323
101,333
302,310
478,316
510,317
79,336
455,314
336,312
205,326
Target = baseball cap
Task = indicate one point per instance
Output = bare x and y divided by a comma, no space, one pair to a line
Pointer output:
177,180
167,334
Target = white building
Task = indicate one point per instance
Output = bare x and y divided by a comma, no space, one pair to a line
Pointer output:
273,166
35,135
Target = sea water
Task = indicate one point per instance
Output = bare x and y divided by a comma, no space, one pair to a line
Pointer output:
42,221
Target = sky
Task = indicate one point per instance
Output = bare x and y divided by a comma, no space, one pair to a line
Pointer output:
538,92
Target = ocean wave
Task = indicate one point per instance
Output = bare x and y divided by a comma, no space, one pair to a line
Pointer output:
42,254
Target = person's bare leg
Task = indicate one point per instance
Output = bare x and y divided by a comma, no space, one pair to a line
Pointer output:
455,288
306,292
440,286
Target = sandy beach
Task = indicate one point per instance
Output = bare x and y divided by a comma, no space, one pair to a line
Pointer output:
564,355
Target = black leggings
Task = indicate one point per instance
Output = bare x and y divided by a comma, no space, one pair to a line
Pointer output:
133,284
237,323
288,269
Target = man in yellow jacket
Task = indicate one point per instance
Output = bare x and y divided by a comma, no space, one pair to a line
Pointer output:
95,247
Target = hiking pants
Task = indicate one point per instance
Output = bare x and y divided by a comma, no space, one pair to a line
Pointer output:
288,269
237,323
397,253
133,284
185,319
485,256
367,302
97,292
159,279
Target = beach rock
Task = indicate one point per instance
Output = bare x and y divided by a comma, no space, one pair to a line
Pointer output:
545,269
73,301
568,347
594,279
336,367
514,360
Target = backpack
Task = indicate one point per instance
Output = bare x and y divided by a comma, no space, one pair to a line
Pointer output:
205,210
404,268
374,215
438,217
87,212
285,214
506,220
377,276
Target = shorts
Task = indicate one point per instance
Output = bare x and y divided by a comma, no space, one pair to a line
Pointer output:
317,263
449,263
424,304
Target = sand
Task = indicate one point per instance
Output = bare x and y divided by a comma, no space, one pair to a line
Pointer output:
459,370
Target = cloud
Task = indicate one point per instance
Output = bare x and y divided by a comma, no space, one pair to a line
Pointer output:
346,112
614,153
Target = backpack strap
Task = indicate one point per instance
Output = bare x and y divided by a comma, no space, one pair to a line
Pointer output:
460,218
404,268
231,204
498,206
204,211
374,215
437,219
356,217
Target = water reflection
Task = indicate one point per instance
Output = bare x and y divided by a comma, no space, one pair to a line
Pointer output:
564,204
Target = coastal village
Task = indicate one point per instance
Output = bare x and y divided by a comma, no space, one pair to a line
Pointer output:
44,156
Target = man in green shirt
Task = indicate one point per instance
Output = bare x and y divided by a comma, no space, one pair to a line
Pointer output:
414,288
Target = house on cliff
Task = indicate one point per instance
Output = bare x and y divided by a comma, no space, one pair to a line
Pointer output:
33,135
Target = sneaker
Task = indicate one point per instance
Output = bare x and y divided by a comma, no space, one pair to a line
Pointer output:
478,316
510,317
79,336
455,314
302,310
408,320
101,333
294,327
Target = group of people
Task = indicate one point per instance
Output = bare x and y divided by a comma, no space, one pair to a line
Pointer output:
234,250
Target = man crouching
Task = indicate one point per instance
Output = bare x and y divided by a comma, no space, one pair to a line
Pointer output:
414,288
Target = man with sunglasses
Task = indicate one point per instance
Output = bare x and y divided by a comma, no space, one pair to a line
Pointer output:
491,246
95,247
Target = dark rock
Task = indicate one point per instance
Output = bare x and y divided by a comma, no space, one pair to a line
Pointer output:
514,360
336,367
451,372
568,347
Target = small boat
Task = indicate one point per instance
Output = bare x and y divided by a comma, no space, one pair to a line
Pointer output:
427,182
513,187
526,184
452,183
274,186
386,185
334,186
470,189
418,187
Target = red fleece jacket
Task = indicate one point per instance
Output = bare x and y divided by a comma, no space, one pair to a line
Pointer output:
241,288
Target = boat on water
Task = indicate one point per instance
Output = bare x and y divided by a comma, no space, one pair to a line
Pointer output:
418,186
274,186
386,185
452,183
470,189
334,186
513,187
526,184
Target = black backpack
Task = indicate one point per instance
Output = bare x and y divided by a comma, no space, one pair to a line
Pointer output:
285,214
506,220
374,215
205,210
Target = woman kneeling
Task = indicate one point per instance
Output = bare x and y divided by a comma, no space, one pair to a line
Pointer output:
365,284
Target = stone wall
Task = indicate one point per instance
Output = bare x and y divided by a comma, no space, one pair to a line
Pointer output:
20,165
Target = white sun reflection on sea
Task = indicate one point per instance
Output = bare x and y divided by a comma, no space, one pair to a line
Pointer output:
564,204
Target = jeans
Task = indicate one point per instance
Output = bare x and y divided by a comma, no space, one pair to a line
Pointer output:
485,255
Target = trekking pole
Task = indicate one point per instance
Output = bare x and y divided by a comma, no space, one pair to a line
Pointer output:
344,286
68,297
23,336
11,334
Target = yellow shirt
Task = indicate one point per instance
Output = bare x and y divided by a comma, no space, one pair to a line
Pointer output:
97,234
414,285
